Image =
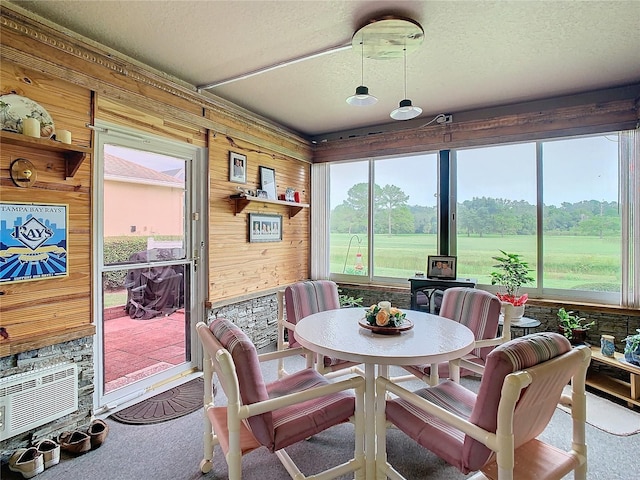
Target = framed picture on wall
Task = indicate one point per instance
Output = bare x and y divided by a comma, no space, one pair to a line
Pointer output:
268,182
34,241
265,228
443,267
237,167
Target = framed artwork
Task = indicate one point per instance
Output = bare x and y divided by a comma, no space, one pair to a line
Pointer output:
33,241
268,182
261,194
265,228
289,195
237,167
443,267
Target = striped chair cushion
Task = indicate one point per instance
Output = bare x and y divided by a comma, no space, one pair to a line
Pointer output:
302,420
449,443
305,298
515,355
251,384
476,309
430,432
443,368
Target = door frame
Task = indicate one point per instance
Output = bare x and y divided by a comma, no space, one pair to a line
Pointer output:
196,234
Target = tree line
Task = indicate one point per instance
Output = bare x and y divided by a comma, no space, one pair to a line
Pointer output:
478,216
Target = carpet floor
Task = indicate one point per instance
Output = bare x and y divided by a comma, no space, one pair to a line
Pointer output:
173,450
607,415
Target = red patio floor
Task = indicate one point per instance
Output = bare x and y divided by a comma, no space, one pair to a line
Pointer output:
136,348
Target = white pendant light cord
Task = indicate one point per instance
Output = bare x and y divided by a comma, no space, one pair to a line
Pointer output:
362,59
404,56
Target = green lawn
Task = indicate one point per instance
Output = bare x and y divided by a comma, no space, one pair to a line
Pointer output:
115,298
570,262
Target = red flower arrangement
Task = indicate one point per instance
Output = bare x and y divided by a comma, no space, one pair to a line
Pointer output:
512,299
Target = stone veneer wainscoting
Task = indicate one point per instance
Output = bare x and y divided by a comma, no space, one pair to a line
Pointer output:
78,351
258,318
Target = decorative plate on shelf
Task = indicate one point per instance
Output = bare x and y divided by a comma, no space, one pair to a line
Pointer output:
13,108
407,325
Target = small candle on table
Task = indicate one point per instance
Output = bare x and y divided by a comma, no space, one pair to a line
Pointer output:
385,305
31,127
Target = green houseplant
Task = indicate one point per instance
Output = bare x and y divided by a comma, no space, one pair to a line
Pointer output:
632,348
573,326
347,301
512,273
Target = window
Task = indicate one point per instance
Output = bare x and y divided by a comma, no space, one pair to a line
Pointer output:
496,207
349,199
404,219
581,215
567,206
576,245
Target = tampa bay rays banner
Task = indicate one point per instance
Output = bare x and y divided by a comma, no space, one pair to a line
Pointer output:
33,241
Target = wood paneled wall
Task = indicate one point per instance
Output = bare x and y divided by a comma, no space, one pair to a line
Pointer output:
240,268
77,82
58,308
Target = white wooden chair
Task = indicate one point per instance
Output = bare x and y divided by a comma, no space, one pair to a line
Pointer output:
301,300
494,431
480,311
272,415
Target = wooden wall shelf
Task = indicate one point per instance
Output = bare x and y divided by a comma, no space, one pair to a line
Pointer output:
242,201
73,155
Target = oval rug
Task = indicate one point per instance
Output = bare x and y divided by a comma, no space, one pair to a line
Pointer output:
174,403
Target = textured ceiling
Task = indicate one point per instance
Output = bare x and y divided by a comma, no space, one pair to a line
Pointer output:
475,53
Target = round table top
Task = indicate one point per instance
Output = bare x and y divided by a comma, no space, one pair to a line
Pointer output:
336,333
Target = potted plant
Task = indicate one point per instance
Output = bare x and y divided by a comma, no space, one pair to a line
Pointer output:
512,273
632,348
347,301
573,327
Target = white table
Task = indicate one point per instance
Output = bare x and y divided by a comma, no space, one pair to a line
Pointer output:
336,333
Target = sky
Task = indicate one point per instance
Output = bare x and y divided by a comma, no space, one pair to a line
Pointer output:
574,170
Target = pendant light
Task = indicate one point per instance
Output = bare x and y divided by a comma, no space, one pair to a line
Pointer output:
362,97
405,111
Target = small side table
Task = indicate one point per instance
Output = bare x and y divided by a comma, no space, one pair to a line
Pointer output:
525,323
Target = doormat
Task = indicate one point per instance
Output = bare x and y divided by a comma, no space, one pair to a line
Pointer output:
607,415
174,403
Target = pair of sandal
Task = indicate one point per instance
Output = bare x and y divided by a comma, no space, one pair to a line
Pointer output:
33,460
78,442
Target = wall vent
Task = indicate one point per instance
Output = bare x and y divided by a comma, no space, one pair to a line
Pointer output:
31,399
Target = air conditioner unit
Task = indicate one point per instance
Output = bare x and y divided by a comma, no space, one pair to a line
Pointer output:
31,399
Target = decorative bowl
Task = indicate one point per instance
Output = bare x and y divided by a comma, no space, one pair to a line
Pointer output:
407,325
13,108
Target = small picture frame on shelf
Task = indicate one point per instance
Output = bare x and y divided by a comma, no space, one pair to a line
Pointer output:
442,267
268,182
265,228
289,194
237,168
261,194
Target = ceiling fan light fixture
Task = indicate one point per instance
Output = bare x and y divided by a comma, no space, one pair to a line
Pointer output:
361,97
405,111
